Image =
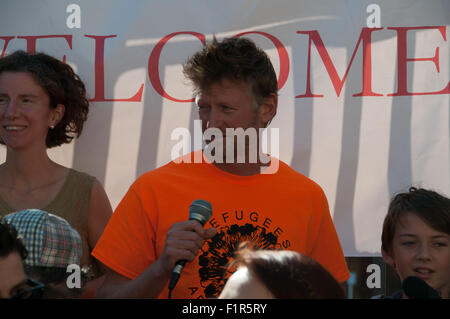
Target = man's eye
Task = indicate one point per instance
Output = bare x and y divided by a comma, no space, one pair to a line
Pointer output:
440,244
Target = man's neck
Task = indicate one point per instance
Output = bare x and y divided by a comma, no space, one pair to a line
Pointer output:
240,169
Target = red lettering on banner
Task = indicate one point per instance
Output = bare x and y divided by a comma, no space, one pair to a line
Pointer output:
32,39
335,79
153,64
282,55
7,39
314,38
100,73
402,60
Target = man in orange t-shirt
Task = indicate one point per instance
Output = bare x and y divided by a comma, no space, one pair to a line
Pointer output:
236,87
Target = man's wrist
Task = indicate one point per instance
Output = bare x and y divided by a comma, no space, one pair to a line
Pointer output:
161,271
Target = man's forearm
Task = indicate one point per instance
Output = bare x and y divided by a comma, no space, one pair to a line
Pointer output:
147,285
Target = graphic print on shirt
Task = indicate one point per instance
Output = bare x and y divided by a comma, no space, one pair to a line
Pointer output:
219,251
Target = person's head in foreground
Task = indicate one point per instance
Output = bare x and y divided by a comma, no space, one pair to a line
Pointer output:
42,101
14,283
416,238
52,246
235,86
279,274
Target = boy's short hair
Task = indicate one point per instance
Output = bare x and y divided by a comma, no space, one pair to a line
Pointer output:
234,59
431,207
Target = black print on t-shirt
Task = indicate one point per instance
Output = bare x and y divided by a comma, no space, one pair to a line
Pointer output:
220,249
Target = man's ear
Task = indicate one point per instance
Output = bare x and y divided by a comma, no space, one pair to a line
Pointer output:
268,109
57,114
388,258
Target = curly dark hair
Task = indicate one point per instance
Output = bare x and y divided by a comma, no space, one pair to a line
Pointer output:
431,207
288,274
61,84
234,59
10,241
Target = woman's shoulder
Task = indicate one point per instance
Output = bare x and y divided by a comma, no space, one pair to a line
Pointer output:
77,183
80,176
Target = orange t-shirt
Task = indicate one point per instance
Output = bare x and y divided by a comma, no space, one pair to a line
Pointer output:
285,210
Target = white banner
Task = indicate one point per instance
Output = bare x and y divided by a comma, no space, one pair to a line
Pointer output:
363,100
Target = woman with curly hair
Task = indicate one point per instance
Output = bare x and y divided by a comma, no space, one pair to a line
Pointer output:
43,104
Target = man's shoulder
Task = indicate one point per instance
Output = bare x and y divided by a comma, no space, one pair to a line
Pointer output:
290,175
173,168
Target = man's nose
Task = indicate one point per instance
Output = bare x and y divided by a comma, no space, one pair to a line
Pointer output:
215,119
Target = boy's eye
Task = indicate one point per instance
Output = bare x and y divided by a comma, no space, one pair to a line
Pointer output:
440,244
408,243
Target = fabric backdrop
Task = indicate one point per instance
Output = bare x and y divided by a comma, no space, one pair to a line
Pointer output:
363,98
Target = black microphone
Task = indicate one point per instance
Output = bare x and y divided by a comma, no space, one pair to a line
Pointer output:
201,211
416,288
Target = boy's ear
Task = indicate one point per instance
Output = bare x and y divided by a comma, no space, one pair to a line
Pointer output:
388,258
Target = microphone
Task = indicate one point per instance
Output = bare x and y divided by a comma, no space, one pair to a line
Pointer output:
416,288
201,211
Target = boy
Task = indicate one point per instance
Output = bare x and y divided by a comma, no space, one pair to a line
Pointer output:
416,238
